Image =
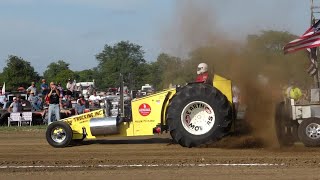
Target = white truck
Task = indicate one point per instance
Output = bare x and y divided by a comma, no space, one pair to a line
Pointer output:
147,89
296,121
84,87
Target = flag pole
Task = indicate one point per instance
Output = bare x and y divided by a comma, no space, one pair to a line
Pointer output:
313,20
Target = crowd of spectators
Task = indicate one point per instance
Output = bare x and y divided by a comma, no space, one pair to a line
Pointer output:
42,98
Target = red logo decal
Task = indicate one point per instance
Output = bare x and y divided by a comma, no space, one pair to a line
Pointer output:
144,109
207,110
188,119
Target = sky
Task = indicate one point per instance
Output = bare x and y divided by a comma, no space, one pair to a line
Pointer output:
45,31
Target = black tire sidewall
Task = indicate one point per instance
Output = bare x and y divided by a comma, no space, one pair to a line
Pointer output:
216,100
66,128
278,125
281,116
302,133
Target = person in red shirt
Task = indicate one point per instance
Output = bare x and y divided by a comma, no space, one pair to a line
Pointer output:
202,74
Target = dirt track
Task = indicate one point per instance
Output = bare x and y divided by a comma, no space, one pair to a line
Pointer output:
27,155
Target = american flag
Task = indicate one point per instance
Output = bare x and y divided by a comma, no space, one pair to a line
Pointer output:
310,39
313,68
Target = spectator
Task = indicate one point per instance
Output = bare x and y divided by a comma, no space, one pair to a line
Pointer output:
70,87
44,87
54,103
5,102
90,90
80,106
80,88
235,96
104,95
95,99
15,106
46,101
60,88
2,97
34,100
40,101
32,88
21,89
66,101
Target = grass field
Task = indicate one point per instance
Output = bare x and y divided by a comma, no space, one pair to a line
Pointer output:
41,128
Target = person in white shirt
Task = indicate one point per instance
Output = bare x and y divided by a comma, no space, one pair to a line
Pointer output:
32,88
2,97
94,99
70,87
236,96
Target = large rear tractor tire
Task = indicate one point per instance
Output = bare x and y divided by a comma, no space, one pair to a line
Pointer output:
309,132
59,134
286,129
199,114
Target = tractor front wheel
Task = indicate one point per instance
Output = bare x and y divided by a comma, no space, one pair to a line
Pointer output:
59,134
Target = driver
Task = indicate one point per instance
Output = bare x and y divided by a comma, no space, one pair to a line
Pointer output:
202,74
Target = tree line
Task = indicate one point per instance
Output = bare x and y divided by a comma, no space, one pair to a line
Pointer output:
260,54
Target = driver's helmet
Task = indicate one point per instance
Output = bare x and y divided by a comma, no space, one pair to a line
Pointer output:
202,68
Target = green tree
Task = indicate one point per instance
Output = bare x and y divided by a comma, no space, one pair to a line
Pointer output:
86,75
124,57
155,75
264,55
269,41
169,70
59,72
54,68
18,72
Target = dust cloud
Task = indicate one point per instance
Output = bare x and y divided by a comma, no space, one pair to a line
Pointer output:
193,25
193,31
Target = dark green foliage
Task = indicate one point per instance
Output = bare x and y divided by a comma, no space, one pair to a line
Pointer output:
18,72
124,57
59,72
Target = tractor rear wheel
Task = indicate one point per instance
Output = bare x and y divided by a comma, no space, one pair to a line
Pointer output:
309,132
59,134
286,129
199,114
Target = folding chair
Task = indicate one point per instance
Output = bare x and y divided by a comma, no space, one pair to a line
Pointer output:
26,117
14,117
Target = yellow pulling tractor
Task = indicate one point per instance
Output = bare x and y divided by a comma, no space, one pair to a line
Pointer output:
194,114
